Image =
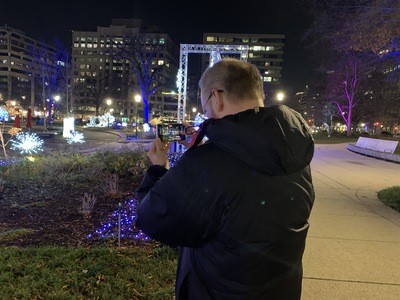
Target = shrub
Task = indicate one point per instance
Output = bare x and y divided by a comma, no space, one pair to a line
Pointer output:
391,197
77,170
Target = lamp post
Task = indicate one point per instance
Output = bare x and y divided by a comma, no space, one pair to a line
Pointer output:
108,116
138,98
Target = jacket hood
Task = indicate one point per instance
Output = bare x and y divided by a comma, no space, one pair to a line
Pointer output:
275,140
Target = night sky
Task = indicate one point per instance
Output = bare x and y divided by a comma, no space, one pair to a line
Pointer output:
45,20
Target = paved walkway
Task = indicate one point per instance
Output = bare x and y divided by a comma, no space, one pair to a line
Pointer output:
353,246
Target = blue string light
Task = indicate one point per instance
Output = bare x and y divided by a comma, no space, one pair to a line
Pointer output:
124,219
125,214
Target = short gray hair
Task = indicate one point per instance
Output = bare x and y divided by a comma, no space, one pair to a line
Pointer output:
239,79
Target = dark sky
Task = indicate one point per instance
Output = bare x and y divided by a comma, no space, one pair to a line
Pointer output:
43,19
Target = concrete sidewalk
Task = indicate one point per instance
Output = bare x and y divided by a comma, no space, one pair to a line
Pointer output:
353,246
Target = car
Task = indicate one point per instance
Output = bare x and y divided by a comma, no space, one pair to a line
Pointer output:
386,133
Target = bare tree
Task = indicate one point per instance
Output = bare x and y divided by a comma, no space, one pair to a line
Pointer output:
97,90
65,74
48,75
344,86
351,29
146,60
361,25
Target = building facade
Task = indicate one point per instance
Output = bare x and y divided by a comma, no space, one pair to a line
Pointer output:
108,65
25,66
265,52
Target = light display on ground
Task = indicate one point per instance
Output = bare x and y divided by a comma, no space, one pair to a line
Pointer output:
75,137
101,121
146,127
27,143
121,224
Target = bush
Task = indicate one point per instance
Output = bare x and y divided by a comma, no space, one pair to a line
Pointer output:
391,197
77,170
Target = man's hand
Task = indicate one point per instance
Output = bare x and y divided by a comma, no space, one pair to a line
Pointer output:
158,153
189,132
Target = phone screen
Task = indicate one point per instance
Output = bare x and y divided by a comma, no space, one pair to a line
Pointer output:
170,132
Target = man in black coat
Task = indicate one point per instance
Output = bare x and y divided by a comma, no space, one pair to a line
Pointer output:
237,205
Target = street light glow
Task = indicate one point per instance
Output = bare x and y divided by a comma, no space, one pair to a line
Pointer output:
108,101
280,96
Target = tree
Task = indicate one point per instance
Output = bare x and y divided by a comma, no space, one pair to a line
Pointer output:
382,104
344,86
329,111
47,74
372,25
65,76
360,25
97,90
148,65
355,29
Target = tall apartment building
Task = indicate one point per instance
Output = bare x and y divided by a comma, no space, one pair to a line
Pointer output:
21,68
111,78
265,52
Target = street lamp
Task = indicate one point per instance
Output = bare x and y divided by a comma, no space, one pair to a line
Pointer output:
108,116
138,98
56,98
280,96
194,110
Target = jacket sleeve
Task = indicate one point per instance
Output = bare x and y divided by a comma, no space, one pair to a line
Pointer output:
180,208
153,174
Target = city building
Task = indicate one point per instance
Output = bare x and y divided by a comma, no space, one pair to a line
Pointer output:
265,52
107,65
25,68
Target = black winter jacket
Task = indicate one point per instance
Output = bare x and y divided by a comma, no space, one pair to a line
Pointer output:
237,207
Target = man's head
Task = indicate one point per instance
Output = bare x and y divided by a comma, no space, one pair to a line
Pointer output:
230,86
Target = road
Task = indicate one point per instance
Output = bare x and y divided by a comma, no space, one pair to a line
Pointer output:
353,246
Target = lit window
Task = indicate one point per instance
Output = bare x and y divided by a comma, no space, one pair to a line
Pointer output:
267,79
259,48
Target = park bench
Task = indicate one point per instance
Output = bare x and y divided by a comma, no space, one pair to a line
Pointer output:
386,146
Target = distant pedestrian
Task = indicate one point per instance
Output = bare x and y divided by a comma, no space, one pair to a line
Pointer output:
237,206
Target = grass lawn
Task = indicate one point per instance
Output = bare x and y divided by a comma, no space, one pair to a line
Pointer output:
79,273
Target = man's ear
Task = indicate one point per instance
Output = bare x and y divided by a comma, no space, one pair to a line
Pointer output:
219,102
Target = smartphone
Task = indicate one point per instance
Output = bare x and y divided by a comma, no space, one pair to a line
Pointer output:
170,132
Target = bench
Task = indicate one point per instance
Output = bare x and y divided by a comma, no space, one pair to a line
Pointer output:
377,144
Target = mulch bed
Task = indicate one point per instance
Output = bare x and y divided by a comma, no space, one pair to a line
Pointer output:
53,215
